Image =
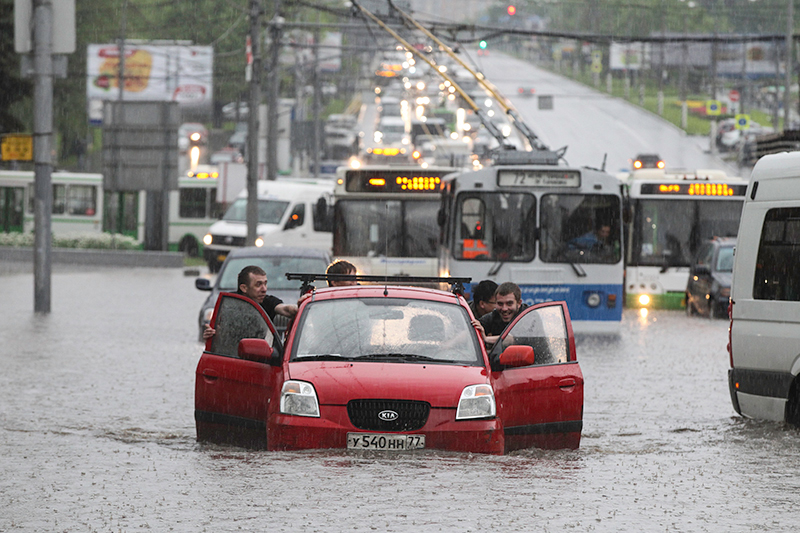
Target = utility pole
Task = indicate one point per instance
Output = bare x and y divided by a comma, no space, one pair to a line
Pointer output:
276,31
252,123
787,100
317,144
42,151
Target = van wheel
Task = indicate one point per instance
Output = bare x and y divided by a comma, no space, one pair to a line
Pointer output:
793,405
189,246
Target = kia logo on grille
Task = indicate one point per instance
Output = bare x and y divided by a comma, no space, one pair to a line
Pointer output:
388,416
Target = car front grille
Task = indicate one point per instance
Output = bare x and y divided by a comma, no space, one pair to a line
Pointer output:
410,415
227,240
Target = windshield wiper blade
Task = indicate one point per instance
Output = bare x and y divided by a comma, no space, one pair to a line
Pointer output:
406,356
320,357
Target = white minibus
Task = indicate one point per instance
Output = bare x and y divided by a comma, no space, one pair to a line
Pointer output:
764,342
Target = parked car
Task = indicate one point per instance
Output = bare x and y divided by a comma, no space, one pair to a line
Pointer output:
380,367
709,287
276,262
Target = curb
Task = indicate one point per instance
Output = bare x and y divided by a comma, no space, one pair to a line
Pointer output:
122,258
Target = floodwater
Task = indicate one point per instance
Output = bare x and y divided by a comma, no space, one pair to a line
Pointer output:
97,434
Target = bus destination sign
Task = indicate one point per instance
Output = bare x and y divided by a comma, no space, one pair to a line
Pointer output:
695,188
538,178
392,181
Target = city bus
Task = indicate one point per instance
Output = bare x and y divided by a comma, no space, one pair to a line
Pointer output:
555,231
81,206
670,214
385,219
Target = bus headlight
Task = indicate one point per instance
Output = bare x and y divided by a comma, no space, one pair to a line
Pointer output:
644,300
593,300
259,242
208,239
477,401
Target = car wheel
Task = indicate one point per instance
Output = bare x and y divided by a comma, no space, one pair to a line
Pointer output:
713,309
690,310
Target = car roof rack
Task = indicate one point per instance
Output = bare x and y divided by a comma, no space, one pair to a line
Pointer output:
457,284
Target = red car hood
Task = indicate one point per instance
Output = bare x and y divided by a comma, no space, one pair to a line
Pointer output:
337,383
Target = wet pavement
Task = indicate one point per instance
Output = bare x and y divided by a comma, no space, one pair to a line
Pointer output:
97,434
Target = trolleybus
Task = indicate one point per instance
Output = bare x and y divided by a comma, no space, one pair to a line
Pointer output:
671,214
385,219
555,231
82,206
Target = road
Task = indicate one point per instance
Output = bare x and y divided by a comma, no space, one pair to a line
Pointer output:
593,124
97,434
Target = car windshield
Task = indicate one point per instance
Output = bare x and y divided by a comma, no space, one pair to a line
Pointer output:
269,211
386,329
276,267
725,259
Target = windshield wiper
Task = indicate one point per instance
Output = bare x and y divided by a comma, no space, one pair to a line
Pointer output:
402,356
320,357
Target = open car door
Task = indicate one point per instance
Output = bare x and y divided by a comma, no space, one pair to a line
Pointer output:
237,373
539,394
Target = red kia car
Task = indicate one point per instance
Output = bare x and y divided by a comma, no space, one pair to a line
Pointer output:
388,368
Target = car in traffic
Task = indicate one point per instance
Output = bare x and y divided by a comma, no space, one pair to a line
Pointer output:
191,134
385,367
525,90
648,161
708,290
276,262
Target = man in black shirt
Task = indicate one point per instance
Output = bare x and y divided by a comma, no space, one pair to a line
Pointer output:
508,300
252,282
483,301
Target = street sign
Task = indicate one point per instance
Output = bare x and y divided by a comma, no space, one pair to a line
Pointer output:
742,122
733,95
713,108
597,61
16,147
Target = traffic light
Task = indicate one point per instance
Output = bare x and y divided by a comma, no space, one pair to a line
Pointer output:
482,44
511,10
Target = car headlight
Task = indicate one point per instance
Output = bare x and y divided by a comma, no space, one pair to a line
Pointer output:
299,398
207,239
259,242
477,401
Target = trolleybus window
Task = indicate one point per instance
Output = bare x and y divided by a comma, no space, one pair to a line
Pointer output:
496,226
196,202
580,228
391,228
668,233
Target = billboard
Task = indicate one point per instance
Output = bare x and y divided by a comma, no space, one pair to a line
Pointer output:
167,73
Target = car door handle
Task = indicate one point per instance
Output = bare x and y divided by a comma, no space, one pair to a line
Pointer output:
567,383
210,375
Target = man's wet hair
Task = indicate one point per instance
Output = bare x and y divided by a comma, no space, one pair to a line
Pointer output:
244,275
484,291
509,288
341,266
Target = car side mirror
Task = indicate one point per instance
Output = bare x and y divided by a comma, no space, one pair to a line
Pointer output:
517,355
203,284
257,350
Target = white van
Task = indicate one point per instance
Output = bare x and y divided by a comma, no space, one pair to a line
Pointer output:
291,212
764,342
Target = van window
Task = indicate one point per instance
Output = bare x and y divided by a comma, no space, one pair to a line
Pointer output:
297,217
777,275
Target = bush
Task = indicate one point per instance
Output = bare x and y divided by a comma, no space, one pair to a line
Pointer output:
98,241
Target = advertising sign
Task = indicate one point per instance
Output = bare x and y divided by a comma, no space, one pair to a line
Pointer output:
628,56
168,73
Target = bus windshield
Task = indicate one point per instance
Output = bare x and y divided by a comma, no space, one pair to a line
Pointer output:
390,228
580,228
496,227
269,211
668,233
